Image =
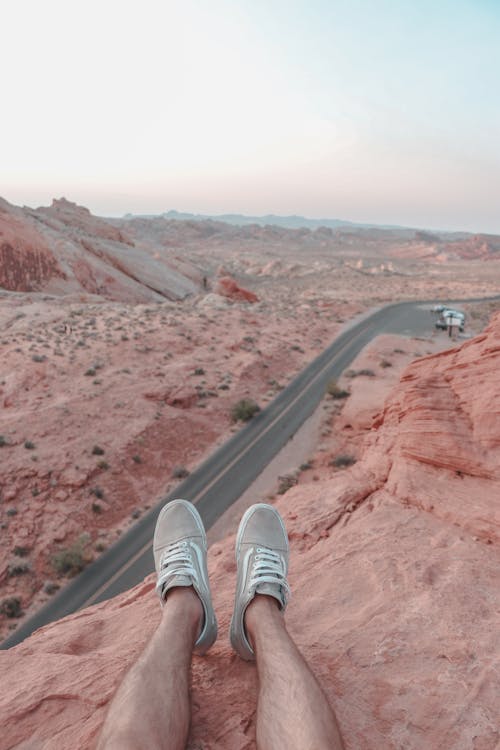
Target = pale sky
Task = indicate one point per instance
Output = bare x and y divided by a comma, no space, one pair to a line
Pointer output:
384,112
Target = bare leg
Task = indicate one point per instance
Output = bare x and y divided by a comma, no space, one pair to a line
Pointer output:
151,708
293,712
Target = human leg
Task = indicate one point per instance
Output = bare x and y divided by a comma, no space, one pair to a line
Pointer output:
293,711
151,708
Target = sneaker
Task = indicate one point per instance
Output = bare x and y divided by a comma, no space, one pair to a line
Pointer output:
180,552
262,561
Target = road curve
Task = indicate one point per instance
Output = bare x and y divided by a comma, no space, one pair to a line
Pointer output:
227,473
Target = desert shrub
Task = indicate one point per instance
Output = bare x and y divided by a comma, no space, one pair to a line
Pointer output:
97,508
69,560
3,441
103,465
21,551
11,607
335,391
285,482
137,459
180,472
366,372
18,568
385,363
97,450
343,460
29,445
199,371
98,492
244,410
50,587
306,465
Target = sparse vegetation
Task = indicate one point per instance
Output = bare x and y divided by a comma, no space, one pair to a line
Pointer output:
343,460
70,560
180,472
285,482
18,568
11,607
50,587
244,410
21,551
366,372
335,391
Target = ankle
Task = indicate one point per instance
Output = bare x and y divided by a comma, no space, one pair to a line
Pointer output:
261,609
185,602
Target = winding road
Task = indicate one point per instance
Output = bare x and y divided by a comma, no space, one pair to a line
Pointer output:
227,473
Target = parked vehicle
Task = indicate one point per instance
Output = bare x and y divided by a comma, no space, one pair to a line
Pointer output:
449,317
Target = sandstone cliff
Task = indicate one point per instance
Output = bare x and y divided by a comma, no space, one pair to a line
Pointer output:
64,249
394,570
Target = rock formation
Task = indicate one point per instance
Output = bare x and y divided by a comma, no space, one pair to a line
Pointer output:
227,287
64,249
394,569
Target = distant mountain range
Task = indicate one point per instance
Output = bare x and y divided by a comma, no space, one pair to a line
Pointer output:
287,222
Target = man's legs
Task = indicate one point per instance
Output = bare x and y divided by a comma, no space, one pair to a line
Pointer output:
151,708
293,711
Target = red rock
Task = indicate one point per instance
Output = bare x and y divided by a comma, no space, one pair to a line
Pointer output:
227,287
64,249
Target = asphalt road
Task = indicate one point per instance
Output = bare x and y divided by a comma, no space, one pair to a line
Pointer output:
227,473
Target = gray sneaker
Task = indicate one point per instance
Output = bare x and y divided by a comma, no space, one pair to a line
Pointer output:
262,560
180,552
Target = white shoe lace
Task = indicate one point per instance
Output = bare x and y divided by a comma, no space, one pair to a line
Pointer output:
268,567
176,560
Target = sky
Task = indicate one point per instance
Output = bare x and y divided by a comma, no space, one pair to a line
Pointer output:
385,112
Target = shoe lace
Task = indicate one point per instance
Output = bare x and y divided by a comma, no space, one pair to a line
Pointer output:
268,567
176,560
